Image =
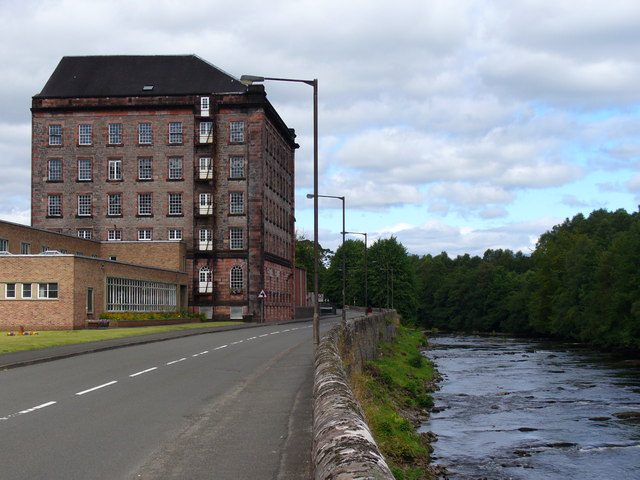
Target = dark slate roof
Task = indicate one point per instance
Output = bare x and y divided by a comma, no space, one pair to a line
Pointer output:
126,75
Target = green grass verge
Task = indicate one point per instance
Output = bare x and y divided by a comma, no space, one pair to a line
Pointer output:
392,389
53,338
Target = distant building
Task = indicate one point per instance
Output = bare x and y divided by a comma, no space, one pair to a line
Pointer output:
53,281
170,148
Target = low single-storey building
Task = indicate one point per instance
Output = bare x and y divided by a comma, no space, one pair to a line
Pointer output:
50,281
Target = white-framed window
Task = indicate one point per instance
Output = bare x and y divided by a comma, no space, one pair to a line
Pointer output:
236,202
26,290
114,235
84,170
145,204
236,238
54,205
84,233
85,134
204,278
47,290
115,133
25,248
54,170
145,169
84,204
130,295
55,134
236,280
236,167
175,234
4,245
205,168
236,132
175,168
205,236
206,132
175,132
204,106
114,204
145,234
206,202
10,290
115,169
175,204
145,134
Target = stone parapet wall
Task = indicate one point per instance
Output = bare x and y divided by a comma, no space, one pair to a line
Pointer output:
343,447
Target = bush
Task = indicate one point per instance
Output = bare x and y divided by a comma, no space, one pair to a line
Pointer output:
136,316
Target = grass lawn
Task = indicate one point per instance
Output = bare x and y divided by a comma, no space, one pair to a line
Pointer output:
52,338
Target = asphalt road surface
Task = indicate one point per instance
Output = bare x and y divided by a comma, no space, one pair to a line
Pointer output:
228,405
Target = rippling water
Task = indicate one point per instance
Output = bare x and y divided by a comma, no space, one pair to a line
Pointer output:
529,410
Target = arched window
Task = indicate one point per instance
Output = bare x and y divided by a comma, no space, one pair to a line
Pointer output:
205,274
236,278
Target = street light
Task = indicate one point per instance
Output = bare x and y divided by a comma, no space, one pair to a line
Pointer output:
366,292
249,80
344,266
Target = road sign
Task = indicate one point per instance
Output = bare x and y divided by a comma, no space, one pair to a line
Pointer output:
262,294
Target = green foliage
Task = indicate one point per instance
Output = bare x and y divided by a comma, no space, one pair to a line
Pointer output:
582,282
305,260
136,316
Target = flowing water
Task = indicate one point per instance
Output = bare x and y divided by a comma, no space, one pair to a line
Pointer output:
533,410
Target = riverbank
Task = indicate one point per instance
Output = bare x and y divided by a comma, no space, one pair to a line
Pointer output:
395,394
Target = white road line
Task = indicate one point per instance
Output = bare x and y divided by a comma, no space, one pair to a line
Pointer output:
176,361
287,330
222,346
201,353
252,338
235,343
33,409
265,335
273,333
97,388
294,329
143,371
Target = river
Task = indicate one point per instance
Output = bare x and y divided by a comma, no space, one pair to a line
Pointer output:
514,409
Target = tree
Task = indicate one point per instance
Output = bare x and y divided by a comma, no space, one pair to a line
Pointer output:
305,260
353,253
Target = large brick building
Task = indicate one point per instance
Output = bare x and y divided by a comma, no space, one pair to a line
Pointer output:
140,148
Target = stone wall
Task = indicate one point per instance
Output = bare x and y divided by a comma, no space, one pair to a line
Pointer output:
343,447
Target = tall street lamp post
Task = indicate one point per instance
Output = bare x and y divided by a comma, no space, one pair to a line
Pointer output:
366,292
344,269
250,79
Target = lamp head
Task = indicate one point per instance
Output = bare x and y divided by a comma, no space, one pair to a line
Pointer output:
251,79
310,195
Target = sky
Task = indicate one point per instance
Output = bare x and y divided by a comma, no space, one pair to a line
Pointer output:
453,125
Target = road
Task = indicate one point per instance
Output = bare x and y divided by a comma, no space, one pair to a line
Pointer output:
228,405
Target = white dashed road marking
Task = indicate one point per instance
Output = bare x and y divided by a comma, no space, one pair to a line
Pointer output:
97,388
176,361
143,371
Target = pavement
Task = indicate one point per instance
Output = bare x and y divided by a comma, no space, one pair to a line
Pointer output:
30,357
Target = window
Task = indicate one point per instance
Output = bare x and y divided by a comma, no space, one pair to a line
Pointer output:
204,276
84,233
85,131
145,206
205,200
236,167
84,205
89,300
10,290
145,135
175,204
115,169
175,234
4,245
144,234
54,205
45,248
236,202
236,238
205,168
26,290
235,278
114,204
129,295
115,133
175,132
47,290
84,170
55,134
25,248
175,168
206,132
54,170
114,235
236,132
204,106
206,239
144,169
